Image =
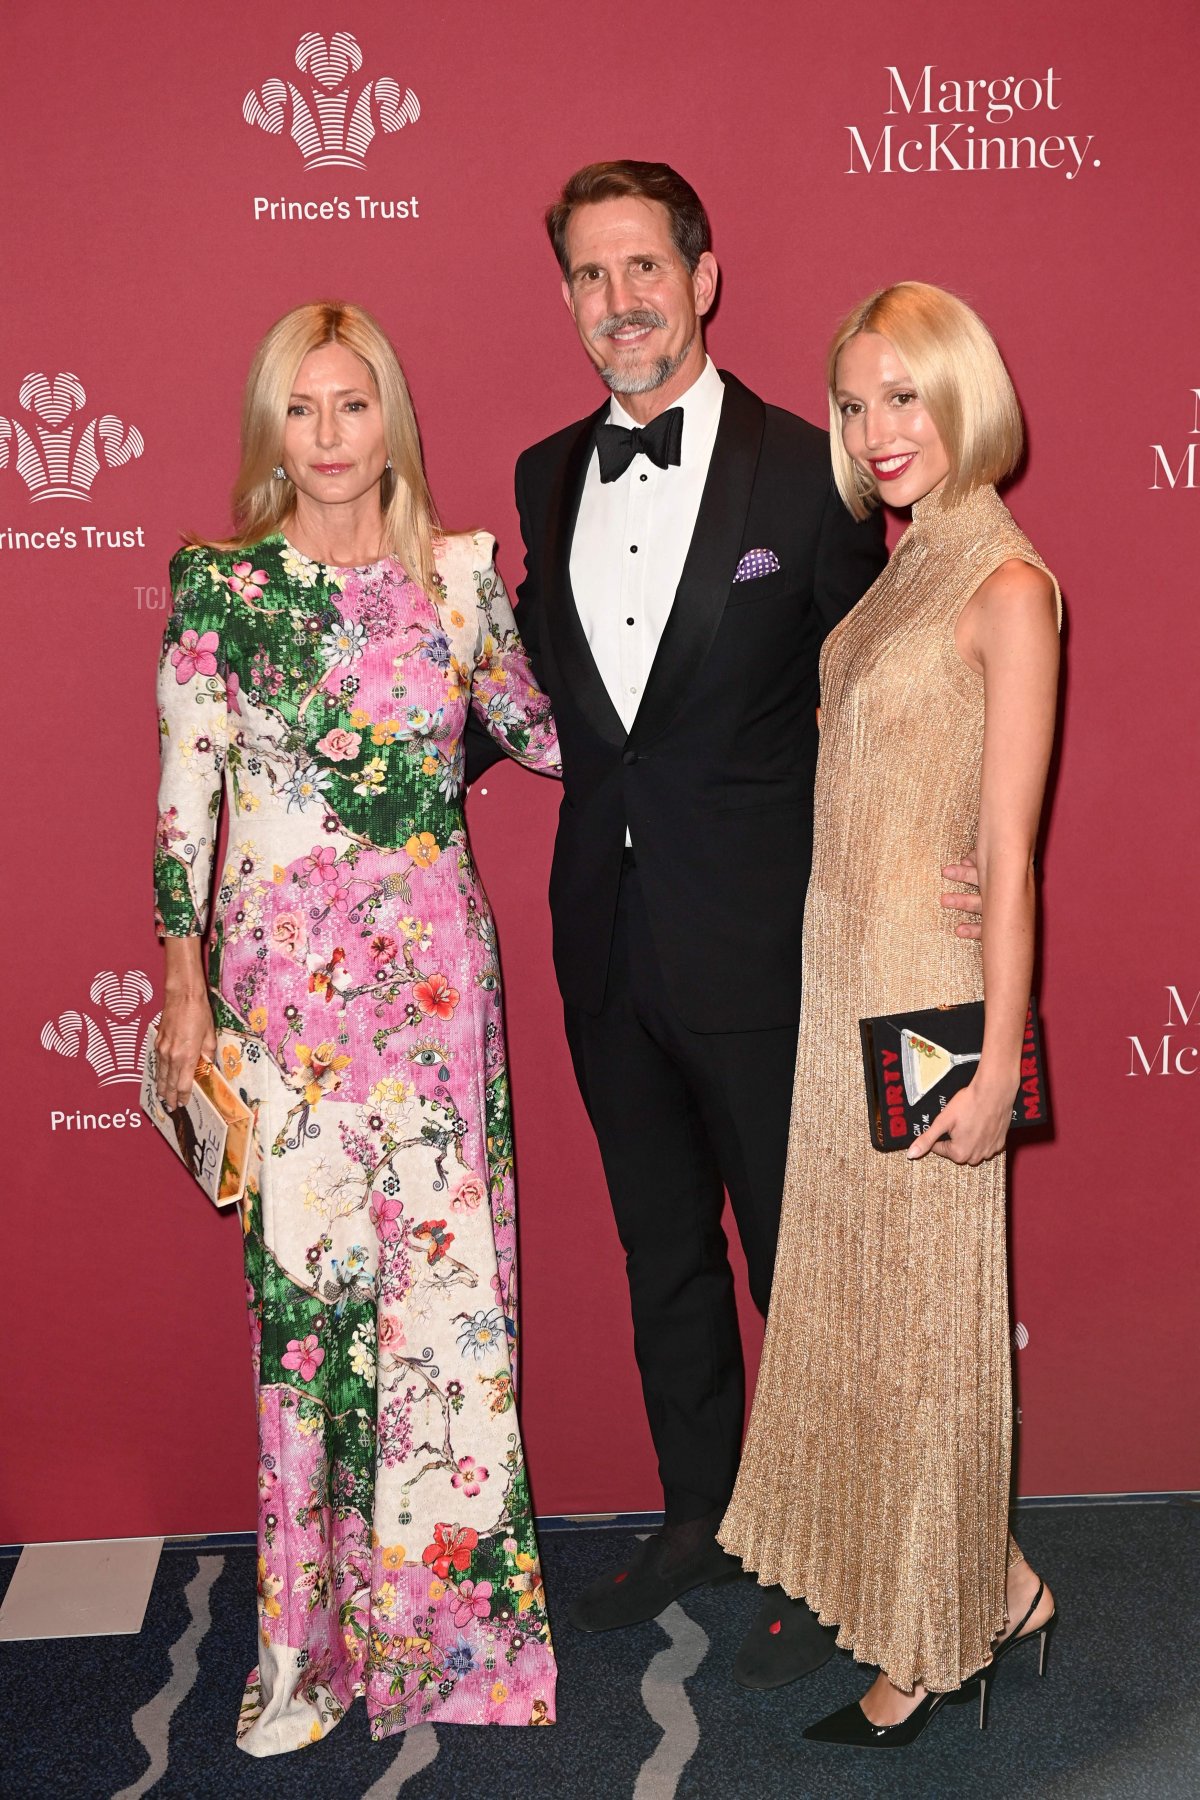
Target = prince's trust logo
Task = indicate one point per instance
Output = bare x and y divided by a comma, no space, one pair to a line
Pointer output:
333,120
326,128
55,458
112,1040
941,127
115,1043
58,456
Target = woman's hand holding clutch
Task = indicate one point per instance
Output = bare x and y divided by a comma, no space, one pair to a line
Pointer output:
973,1125
186,1032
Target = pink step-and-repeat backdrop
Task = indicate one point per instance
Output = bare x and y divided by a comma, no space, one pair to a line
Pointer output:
174,179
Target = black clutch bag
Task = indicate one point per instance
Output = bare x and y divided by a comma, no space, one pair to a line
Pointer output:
915,1061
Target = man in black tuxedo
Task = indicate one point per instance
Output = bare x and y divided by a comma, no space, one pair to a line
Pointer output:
687,552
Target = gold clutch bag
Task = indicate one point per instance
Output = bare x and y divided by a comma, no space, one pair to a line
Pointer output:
210,1135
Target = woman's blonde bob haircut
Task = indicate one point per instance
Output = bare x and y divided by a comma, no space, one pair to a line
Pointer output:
958,372
262,504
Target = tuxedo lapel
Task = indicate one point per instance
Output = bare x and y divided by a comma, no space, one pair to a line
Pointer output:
571,648
711,561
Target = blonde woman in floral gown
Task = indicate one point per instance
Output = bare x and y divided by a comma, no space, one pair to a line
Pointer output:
319,673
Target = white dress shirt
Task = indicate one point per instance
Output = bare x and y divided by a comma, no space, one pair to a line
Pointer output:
631,540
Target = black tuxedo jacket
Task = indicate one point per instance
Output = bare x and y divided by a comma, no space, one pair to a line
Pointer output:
715,780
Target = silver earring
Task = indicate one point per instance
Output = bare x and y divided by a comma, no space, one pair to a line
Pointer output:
279,472
388,463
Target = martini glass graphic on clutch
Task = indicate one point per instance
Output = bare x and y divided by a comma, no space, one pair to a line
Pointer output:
923,1064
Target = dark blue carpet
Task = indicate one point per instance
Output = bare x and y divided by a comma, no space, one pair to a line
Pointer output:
1117,1717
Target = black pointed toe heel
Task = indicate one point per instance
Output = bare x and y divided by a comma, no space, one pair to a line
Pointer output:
850,1725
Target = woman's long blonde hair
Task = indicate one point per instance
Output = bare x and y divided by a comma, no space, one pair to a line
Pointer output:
954,363
262,504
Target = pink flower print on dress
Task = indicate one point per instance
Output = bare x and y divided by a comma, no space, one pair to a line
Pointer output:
336,898
319,865
287,933
469,1194
340,745
391,1331
247,581
305,1356
473,1600
384,1213
168,831
469,1476
195,655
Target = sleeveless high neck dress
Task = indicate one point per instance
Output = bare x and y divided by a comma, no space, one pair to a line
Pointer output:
875,1475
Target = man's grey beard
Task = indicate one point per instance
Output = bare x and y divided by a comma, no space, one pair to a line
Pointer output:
643,381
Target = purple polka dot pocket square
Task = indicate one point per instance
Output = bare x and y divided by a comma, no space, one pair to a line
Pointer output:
757,563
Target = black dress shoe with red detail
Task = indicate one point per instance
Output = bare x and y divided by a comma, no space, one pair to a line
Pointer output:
647,1584
786,1641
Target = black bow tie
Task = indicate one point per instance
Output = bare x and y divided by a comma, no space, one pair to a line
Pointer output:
660,440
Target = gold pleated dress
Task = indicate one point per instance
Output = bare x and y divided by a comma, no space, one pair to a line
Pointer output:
875,1475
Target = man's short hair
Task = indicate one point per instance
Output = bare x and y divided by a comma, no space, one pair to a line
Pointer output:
690,230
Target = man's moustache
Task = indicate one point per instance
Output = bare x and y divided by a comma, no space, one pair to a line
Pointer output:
607,327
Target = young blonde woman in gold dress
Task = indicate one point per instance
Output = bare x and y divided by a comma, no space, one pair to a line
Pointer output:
875,1476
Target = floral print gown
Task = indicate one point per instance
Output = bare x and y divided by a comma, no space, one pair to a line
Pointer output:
356,990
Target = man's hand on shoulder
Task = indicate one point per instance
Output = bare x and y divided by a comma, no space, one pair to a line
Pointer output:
971,905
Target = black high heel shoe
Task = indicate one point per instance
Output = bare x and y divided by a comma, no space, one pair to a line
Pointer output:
850,1724
1040,1637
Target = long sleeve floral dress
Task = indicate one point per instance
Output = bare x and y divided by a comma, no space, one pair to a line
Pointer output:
356,990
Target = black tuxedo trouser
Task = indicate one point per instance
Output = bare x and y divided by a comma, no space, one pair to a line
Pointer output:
681,1116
